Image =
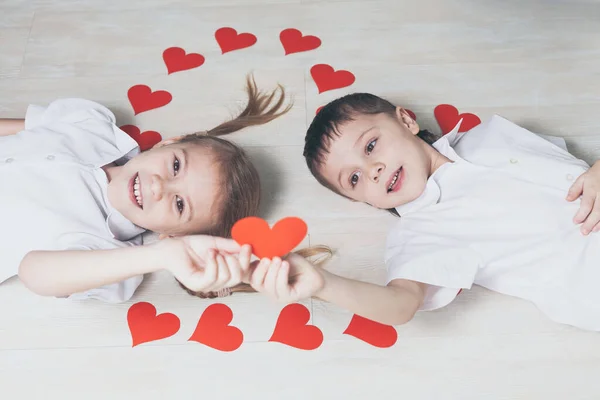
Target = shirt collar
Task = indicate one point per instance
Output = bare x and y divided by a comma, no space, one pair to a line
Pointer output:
120,227
432,193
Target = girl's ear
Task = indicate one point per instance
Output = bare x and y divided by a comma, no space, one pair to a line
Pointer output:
168,141
405,118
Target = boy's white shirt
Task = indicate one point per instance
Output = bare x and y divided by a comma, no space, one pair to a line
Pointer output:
54,191
497,217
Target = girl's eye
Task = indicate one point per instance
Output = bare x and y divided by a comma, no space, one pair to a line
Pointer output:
176,165
354,179
371,146
179,203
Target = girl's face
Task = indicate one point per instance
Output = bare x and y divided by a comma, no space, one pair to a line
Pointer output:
379,160
169,189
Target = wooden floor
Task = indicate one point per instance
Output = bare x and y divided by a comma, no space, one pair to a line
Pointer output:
534,62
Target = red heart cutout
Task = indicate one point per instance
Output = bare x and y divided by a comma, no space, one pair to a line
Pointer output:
266,242
374,333
142,98
145,326
177,60
326,78
230,40
447,117
146,139
213,329
293,41
292,329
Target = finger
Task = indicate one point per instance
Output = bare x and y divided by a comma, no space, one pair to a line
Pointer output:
576,189
227,245
224,274
271,276
592,219
245,257
596,228
258,276
587,203
210,270
235,270
282,288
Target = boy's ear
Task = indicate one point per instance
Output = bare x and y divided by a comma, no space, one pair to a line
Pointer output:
405,118
162,236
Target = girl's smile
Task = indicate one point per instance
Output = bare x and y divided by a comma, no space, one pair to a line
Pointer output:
135,191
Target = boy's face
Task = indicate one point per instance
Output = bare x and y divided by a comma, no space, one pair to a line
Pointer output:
379,160
176,185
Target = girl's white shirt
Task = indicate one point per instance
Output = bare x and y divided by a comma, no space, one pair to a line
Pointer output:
497,216
54,190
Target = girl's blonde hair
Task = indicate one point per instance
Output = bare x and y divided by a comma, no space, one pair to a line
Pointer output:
240,196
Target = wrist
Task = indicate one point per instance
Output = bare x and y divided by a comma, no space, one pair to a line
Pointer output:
159,255
328,280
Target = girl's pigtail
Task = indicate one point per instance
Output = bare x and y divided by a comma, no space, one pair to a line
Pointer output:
258,111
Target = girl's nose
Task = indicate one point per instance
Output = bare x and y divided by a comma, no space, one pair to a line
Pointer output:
157,187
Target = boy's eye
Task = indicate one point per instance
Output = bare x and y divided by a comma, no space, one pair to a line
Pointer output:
180,204
354,179
371,146
176,165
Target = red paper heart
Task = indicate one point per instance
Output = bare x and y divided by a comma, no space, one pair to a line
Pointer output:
177,60
142,98
292,329
374,333
326,78
447,117
145,326
293,41
266,242
229,40
213,329
146,139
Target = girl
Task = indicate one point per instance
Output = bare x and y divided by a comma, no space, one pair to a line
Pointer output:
77,194
498,206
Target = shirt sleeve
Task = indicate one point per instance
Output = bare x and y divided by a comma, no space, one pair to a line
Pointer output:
445,267
67,110
113,293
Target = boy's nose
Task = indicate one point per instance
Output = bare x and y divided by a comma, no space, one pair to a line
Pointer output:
376,171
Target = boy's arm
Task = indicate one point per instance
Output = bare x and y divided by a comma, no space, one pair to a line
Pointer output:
11,126
395,304
62,273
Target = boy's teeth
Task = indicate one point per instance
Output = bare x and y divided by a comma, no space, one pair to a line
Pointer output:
393,180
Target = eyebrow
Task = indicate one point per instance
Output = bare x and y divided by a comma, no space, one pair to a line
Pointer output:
355,143
188,202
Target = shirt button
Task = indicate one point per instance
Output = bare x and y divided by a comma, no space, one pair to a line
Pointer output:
513,161
9,160
569,177
50,157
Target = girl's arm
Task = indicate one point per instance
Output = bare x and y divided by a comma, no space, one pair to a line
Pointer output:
395,304
199,262
62,273
11,126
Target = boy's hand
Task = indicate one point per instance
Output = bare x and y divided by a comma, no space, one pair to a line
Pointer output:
205,263
588,187
287,281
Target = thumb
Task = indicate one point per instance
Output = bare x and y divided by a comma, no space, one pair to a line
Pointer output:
576,189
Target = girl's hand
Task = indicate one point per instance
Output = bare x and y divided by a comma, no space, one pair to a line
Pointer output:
588,187
287,281
205,263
